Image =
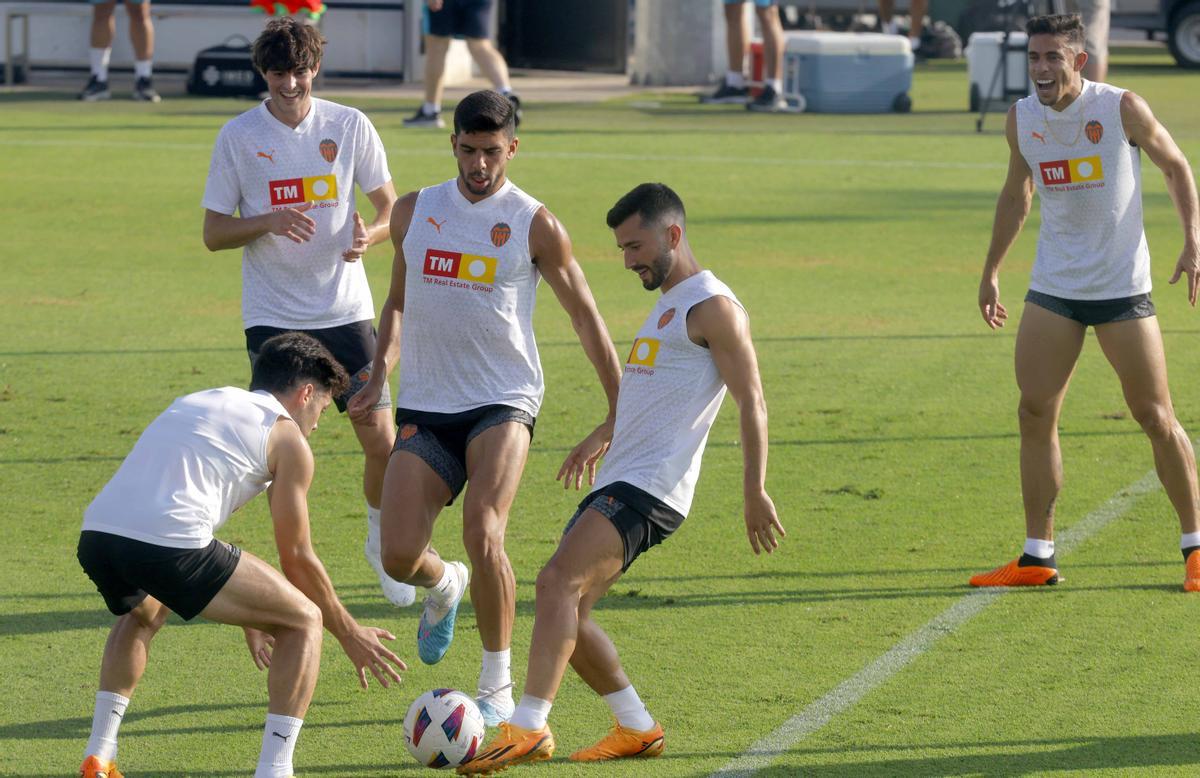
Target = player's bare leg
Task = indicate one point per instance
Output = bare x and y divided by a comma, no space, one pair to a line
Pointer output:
141,30
104,25
412,497
258,596
1134,349
490,61
495,461
1047,349
125,656
436,48
377,435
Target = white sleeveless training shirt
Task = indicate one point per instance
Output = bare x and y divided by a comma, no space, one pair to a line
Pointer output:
470,287
1092,245
260,165
196,464
669,398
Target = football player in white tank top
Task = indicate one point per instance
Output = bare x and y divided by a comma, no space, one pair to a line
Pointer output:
1077,202
704,332
281,613
301,265
414,493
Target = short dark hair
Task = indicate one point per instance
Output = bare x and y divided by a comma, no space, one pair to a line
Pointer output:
287,360
287,44
1069,26
485,111
653,202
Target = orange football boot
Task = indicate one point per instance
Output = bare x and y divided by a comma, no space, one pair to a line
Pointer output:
623,743
92,767
1191,579
514,745
1013,574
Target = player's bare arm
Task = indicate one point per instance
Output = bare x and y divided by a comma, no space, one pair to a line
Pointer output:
223,231
1012,207
387,342
291,463
367,235
720,325
1144,130
550,247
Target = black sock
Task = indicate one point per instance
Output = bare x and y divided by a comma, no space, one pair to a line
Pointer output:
1188,552
1027,560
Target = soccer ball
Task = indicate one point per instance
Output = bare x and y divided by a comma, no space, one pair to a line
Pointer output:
443,728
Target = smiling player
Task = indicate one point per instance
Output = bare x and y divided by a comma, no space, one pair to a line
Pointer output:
288,169
1080,143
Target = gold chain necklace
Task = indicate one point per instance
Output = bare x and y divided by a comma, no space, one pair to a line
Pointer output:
1078,130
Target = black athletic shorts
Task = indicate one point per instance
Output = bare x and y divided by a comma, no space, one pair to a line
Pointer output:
463,18
1089,313
184,579
642,520
352,345
441,439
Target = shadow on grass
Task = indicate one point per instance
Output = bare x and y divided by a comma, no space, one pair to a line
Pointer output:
712,444
1109,755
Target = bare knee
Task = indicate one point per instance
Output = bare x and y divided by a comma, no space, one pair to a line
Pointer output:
555,584
479,46
1157,420
1036,417
484,539
400,563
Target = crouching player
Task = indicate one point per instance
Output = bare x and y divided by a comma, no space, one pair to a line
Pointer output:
147,543
695,343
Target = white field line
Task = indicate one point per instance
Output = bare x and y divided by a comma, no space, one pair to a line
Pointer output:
848,693
565,155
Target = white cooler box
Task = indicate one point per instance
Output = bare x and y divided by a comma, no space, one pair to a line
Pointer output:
848,72
983,61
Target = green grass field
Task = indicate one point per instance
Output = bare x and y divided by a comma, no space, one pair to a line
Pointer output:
856,244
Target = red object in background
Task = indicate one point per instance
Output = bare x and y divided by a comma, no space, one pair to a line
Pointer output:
756,68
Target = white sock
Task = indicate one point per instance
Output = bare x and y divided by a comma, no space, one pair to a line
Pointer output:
531,712
106,720
504,89
99,59
143,68
428,107
631,713
1042,549
891,27
776,84
914,41
279,742
446,590
495,671
1189,539
735,79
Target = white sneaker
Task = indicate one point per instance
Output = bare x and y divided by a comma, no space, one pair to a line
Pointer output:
496,705
397,593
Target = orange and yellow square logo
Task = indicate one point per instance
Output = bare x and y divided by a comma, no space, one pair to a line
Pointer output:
468,267
291,191
1072,171
644,352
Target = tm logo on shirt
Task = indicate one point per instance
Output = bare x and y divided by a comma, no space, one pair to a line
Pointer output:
465,271
293,191
1073,171
643,356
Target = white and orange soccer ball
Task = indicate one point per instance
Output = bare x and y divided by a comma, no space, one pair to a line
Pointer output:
443,728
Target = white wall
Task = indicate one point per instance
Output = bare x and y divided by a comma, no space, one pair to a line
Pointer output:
358,40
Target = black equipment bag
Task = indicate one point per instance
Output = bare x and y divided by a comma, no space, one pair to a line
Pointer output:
226,71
